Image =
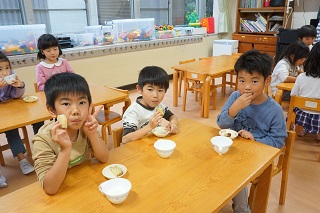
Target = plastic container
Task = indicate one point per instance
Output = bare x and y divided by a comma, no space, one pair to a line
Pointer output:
109,35
164,34
84,39
128,30
97,33
183,31
20,39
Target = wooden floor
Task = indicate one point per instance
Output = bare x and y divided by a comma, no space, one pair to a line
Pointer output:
304,177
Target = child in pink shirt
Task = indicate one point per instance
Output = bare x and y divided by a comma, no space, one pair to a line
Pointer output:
49,52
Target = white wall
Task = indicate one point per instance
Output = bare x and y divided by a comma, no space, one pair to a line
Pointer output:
307,9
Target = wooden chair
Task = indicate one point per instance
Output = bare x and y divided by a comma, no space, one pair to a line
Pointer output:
117,136
35,85
25,140
282,166
107,117
302,103
181,73
199,87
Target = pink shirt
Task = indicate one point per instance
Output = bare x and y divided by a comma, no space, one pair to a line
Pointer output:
44,71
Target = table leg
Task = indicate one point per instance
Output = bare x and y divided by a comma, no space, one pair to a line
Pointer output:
175,88
206,97
261,193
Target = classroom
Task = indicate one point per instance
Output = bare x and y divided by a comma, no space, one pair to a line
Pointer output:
201,47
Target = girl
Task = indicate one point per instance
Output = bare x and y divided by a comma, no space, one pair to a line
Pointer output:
49,52
306,86
8,91
289,66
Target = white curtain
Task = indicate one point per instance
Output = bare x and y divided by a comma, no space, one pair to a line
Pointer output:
223,16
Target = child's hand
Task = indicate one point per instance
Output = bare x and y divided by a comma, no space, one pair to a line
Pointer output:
243,101
60,136
245,134
2,83
155,120
17,83
91,124
172,127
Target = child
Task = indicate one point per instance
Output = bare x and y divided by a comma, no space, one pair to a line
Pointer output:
251,112
307,34
49,51
306,86
14,90
56,149
286,69
142,116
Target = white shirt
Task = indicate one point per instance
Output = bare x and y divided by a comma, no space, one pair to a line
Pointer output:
306,86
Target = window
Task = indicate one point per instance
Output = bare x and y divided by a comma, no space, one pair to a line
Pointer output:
60,16
11,12
114,9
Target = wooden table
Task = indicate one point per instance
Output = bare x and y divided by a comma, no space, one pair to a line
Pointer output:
281,88
194,179
213,67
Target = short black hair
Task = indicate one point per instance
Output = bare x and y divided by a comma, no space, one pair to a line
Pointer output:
254,61
312,64
155,76
297,49
65,83
4,58
307,31
46,41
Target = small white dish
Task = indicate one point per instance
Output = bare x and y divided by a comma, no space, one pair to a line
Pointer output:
108,173
228,133
160,131
30,99
10,78
164,148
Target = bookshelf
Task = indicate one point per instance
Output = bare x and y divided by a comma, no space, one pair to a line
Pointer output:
257,26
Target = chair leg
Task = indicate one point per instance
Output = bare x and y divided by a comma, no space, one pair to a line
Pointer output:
284,183
2,159
180,82
104,134
26,140
184,98
109,130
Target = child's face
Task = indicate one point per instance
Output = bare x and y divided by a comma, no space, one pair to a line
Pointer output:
51,54
4,69
300,62
308,40
253,84
151,95
75,107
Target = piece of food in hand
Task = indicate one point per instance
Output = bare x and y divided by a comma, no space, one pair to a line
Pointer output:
159,109
117,171
63,120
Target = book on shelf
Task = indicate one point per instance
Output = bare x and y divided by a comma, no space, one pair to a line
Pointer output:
276,18
251,3
274,27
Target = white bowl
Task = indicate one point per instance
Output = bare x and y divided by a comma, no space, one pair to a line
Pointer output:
10,78
221,144
164,147
116,190
228,133
160,131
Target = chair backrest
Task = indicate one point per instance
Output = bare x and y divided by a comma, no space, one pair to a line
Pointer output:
117,136
195,76
187,61
302,103
36,89
205,58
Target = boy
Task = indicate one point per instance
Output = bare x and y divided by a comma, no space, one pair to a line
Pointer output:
307,34
56,147
255,115
147,111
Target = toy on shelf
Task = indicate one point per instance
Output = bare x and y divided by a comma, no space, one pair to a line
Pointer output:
194,19
164,31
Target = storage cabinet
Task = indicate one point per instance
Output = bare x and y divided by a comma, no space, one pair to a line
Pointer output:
257,26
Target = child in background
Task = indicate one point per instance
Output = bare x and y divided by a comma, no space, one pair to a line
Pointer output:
56,147
49,51
14,90
252,113
307,85
307,34
142,116
286,69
